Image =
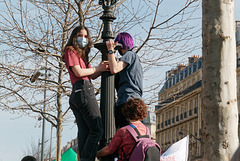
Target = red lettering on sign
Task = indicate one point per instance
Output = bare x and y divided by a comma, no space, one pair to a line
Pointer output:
168,158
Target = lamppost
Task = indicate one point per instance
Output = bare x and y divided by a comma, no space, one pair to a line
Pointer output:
107,80
190,135
33,78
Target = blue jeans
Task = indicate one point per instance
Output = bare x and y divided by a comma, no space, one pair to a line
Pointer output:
84,105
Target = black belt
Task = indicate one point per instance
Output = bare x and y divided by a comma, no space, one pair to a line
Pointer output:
80,83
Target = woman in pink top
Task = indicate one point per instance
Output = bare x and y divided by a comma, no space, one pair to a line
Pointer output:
82,101
135,110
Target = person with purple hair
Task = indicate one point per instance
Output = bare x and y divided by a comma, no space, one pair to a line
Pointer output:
129,70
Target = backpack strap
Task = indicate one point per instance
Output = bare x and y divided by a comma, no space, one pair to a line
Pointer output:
135,133
134,127
124,155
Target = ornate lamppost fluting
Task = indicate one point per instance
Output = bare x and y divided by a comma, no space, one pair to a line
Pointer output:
107,82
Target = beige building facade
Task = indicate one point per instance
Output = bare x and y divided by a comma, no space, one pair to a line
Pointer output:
178,110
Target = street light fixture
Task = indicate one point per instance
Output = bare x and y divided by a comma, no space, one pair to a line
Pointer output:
190,135
107,80
35,76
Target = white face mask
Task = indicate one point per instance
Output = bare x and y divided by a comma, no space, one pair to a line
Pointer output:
82,42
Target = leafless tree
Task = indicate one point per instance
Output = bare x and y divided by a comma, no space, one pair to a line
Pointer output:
34,33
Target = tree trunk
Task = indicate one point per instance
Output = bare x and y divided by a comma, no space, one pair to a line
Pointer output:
59,132
60,113
219,112
59,139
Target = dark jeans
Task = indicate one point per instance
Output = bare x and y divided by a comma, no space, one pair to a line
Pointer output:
85,108
120,119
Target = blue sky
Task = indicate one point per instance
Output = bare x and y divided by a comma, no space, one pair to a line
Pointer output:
19,132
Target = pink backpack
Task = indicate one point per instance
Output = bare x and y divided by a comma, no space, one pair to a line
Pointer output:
145,149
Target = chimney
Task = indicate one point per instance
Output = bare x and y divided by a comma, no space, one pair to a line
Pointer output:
171,73
180,67
192,59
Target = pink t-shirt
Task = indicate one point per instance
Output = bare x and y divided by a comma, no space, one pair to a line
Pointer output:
72,59
123,139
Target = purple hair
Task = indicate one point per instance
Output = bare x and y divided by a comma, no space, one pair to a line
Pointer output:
125,39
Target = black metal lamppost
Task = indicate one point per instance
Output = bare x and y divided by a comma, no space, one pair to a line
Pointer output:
107,82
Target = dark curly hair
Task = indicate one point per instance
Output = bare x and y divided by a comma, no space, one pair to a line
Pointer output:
135,109
29,158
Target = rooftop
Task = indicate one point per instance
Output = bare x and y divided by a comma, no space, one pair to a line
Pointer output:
176,75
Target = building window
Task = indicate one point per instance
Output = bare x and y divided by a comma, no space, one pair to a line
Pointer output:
173,136
162,139
173,79
177,118
169,122
181,116
166,138
181,75
162,125
162,117
166,118
169,116
194,67
185,114
190,70
158,126
185,110
169,137
196,105
199,63
195,110
173,114
177,110
173,120
186,73
190,112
